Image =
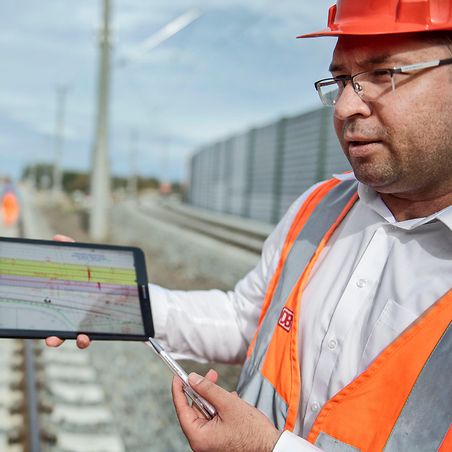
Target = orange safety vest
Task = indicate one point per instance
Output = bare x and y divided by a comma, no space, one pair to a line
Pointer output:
10,209
384,408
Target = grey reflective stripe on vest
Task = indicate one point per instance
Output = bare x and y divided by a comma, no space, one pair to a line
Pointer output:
322,218
426,416
267,399
330,444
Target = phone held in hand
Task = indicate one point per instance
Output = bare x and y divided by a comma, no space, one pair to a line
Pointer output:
204,406
50,288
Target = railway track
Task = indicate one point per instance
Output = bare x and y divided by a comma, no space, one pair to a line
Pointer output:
54,400
242,233
51,399
11,395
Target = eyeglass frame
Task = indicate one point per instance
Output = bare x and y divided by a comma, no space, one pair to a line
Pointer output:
344,79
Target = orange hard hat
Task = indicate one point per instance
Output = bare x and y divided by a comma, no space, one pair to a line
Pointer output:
374,17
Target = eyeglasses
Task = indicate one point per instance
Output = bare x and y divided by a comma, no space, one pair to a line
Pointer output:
369,85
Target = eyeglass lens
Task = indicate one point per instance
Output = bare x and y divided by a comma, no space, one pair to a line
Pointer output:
368,85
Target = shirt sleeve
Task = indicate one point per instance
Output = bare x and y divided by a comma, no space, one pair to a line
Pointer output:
211,325
289,441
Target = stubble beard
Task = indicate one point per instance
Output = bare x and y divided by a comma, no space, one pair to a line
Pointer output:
379,175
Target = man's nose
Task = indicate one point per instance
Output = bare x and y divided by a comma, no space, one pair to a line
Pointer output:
349,104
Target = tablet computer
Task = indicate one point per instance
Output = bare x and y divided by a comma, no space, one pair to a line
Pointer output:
50,288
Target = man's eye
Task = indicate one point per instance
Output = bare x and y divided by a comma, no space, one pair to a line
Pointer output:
380,75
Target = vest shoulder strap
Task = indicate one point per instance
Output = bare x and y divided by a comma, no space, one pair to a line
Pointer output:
270,378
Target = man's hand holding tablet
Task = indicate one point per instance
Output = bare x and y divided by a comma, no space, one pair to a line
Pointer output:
65,290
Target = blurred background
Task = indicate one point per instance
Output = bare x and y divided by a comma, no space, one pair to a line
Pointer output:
186,128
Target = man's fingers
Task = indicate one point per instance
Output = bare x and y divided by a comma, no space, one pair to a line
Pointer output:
212,375
181,403
53,341
214,394
184,411
62,238
83,341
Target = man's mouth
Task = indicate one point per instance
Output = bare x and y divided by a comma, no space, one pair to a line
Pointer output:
361,142
361,147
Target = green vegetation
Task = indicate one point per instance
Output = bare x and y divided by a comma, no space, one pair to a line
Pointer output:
42,176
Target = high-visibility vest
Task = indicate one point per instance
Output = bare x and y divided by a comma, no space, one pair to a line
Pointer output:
403,400
10,209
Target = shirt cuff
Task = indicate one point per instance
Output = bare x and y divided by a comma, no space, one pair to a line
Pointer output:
159,309
289,441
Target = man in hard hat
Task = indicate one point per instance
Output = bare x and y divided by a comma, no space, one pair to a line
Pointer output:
347,316
361,261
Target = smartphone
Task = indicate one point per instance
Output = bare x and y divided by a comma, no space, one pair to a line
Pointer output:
50,288
204,406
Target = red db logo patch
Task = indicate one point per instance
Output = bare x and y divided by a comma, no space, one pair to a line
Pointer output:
286,319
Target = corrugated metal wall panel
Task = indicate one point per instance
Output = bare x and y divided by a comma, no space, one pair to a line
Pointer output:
198,179
300,157
239,160
262,173
258,174
207,175
300,154
217,181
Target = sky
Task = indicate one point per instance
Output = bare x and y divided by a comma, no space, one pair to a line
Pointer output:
239,65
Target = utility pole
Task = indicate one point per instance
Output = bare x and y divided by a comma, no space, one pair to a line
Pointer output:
59,134
132,185
100,169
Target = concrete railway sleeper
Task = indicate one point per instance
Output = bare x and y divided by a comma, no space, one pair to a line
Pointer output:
51,401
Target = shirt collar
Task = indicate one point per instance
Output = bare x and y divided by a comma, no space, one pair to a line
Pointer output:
445,216
372,200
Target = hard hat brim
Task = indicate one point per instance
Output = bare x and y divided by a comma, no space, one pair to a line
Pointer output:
369,31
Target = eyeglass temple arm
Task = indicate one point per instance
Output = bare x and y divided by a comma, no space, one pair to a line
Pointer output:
419,66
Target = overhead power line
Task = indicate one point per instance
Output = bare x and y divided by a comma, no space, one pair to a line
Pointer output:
169,30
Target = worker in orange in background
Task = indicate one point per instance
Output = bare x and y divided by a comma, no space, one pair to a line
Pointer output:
10,208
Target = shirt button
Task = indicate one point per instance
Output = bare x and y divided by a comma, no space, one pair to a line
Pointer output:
361,283
332,344
315,407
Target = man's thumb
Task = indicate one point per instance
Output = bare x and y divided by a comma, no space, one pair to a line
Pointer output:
207,389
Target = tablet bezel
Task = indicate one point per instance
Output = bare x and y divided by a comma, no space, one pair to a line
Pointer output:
142,286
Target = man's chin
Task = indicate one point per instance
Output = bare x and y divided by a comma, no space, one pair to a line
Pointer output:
381,183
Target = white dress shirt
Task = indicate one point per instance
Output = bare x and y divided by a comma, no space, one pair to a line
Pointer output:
374,277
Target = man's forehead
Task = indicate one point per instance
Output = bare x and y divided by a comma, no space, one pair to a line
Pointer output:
364,51
363,60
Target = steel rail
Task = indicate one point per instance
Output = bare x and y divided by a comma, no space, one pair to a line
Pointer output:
229,233
33,428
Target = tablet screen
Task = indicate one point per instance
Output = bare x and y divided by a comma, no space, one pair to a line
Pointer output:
68,288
